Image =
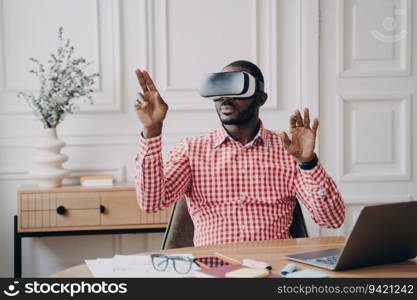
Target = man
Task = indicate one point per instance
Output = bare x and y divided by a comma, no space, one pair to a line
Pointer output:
241,179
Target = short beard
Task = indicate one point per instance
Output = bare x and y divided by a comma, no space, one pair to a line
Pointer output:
244,117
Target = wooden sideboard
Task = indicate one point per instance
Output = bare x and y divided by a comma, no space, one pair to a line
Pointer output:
77,210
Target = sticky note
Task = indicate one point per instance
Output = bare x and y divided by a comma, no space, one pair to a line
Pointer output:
247,273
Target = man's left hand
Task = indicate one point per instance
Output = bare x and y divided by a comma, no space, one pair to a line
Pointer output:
303,138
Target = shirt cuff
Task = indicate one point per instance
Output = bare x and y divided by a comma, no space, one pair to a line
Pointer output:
150,146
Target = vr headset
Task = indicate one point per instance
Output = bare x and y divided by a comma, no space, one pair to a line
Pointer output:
240,85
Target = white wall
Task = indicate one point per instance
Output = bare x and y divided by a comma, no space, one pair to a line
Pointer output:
368,86
177,41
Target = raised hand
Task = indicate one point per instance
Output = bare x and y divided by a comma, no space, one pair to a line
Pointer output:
150,108
303,138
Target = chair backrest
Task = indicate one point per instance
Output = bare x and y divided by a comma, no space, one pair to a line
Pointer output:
180,227
298,228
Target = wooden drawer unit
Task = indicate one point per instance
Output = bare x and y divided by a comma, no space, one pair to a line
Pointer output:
84,208
121,208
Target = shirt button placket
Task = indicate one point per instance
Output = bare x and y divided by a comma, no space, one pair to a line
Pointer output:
242,232
241,201
242,226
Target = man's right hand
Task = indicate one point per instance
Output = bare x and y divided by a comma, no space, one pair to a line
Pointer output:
150,108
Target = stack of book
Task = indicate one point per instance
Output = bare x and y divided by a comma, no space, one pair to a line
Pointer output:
96,180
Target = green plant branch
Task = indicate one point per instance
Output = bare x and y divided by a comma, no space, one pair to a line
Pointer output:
65,81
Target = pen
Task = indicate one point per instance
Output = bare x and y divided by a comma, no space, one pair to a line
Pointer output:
227,259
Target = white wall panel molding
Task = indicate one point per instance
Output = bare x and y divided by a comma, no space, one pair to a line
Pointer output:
374,137
309,58
374,42
14,175
307,71
118,172
375,199
308,47
183,95
103,49
87,140
355,204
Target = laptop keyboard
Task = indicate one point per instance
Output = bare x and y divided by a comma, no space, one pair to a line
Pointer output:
327,260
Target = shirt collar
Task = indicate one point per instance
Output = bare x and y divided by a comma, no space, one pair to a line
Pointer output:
221,135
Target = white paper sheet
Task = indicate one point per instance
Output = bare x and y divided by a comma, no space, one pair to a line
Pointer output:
134,266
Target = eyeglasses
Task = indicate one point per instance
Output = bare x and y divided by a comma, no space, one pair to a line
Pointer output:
181,264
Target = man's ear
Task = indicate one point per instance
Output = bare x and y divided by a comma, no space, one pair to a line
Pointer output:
262,97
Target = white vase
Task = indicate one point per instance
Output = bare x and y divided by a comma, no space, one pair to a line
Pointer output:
47,168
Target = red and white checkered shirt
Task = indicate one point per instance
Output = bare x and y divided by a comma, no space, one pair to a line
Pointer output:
234,192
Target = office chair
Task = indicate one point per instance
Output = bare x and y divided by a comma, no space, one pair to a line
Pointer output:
180,227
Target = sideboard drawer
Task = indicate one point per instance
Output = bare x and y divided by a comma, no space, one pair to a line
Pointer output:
80,200
78,217
81,208
120,208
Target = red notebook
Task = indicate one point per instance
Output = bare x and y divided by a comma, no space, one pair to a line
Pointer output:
220,272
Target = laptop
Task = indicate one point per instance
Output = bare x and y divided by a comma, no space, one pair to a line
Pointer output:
382,234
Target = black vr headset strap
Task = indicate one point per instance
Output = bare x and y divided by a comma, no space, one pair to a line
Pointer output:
259,86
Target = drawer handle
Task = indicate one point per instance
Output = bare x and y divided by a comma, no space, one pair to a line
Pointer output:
61,210
102,209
